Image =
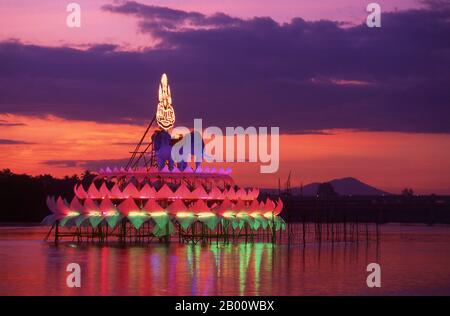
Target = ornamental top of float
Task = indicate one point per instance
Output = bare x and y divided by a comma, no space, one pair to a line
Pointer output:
165,114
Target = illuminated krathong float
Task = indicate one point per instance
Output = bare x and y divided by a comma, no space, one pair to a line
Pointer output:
160,199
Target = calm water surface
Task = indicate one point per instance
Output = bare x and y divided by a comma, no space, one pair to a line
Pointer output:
415,260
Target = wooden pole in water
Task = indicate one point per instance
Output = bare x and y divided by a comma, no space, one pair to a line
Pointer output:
281,231
357,229
332,230
304,228
217,232
246,232
377,226
273,229
345,226
167,232
367,231
56,232
49,232
327,222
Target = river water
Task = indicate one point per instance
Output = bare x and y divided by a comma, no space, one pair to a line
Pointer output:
414,260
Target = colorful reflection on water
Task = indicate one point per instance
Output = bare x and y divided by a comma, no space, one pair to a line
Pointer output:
413,260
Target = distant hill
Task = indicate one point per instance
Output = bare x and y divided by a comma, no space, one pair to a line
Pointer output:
344,186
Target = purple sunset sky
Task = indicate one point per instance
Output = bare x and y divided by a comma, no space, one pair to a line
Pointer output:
309,67
299,75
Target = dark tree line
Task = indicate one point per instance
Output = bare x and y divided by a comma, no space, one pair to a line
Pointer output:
22,196
22,199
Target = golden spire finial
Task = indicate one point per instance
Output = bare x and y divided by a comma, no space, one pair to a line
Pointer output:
165,114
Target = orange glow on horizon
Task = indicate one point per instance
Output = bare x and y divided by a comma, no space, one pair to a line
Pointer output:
387,160
51,138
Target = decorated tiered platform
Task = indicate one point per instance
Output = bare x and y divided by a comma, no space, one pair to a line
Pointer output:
162,200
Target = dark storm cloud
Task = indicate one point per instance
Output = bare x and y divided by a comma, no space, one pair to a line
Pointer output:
8,123
87,164
61,163
103,163
102,48
437,4
301,76
156,19
13,142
